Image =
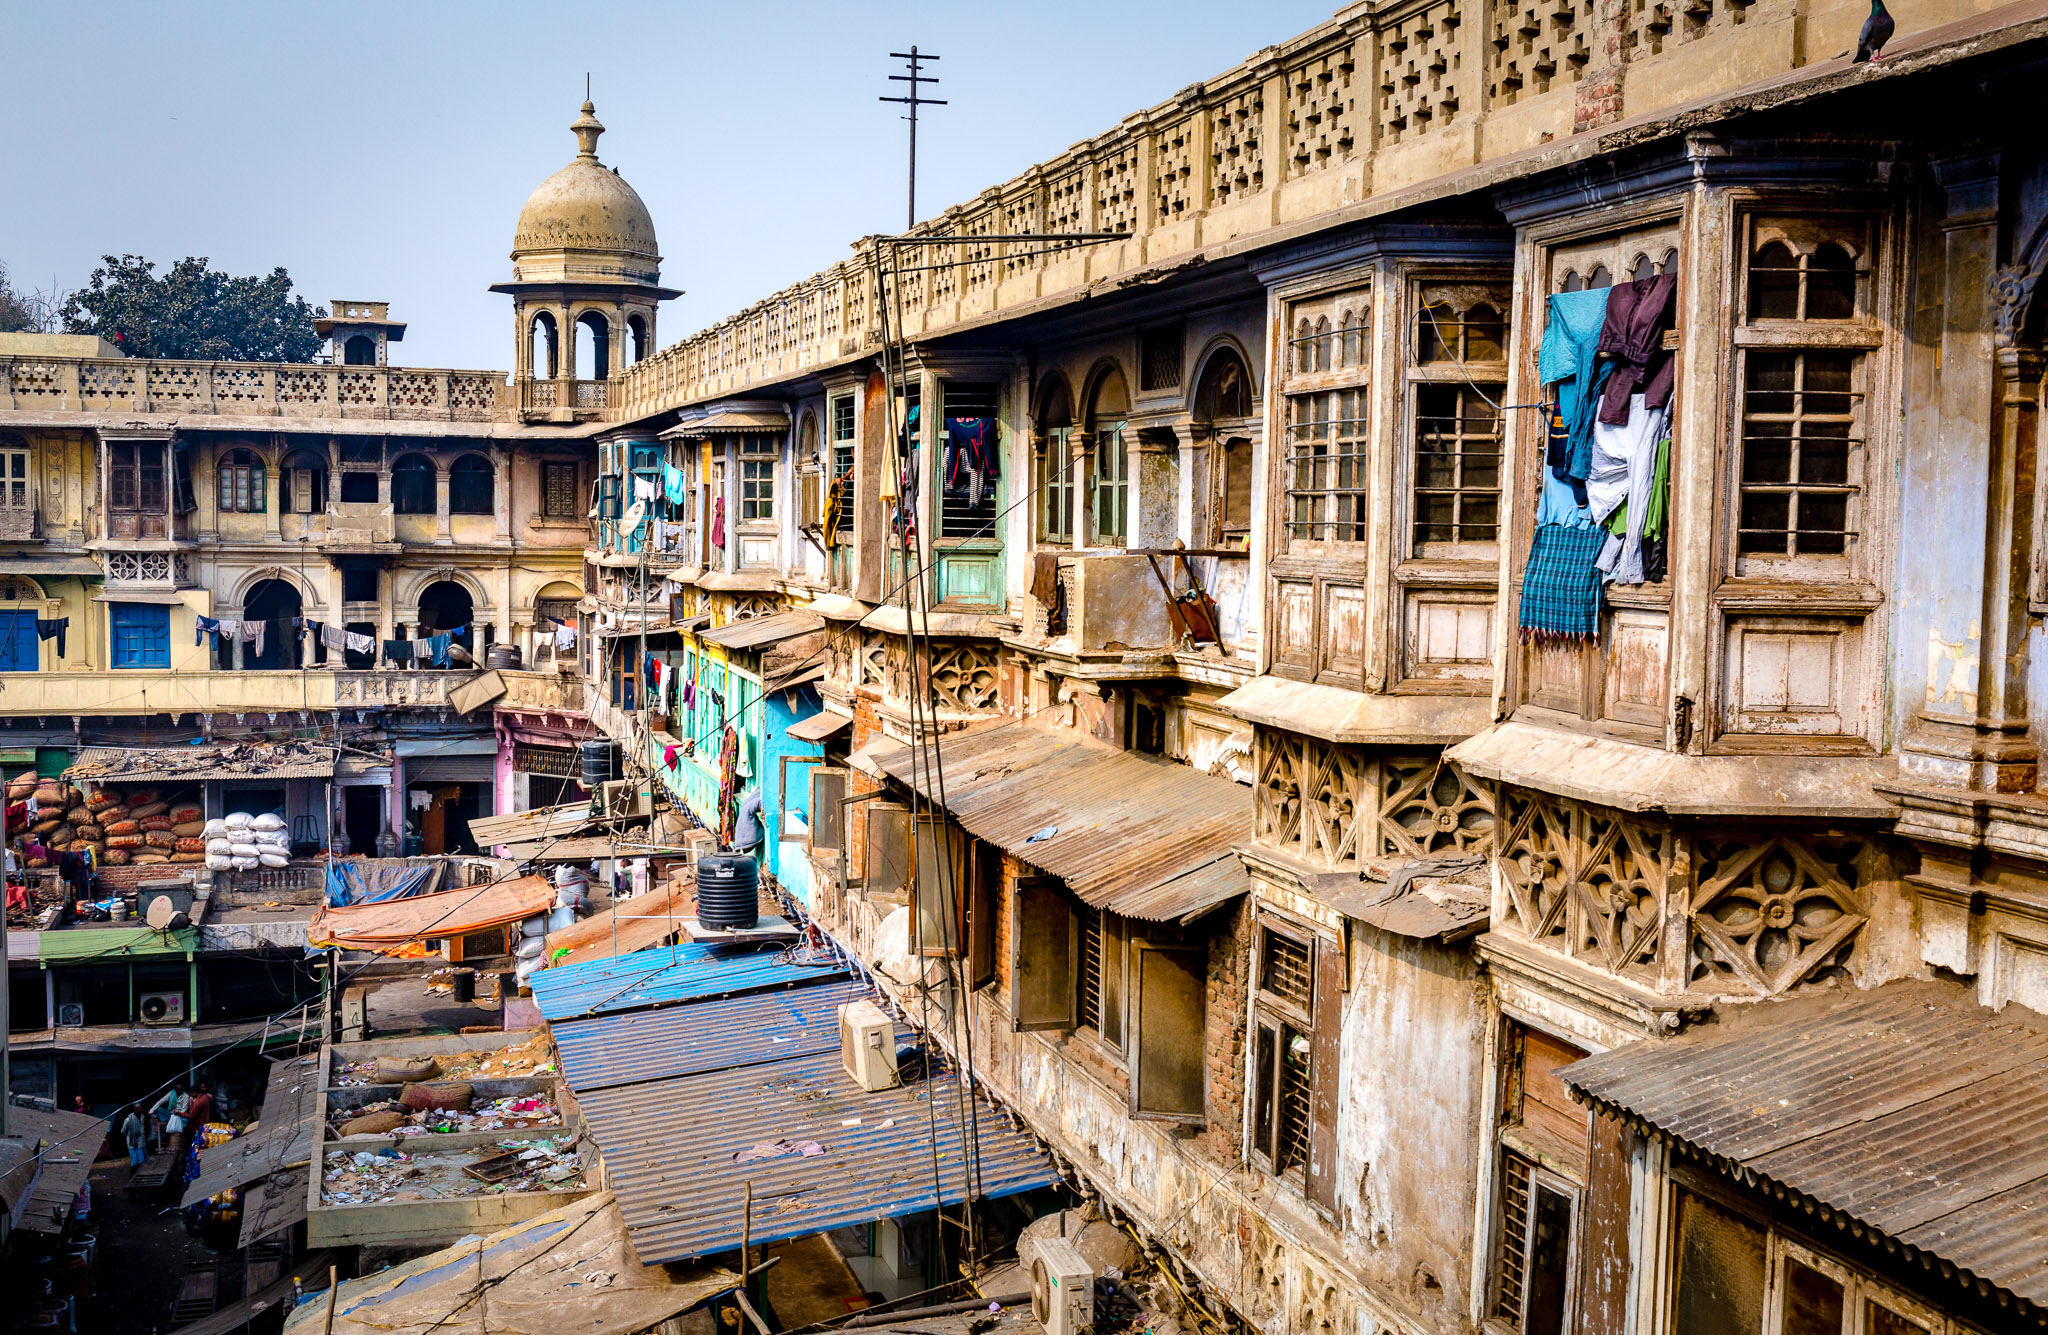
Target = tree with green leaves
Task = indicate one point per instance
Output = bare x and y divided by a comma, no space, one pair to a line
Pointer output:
192,312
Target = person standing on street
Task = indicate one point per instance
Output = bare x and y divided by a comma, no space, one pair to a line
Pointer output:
136,1132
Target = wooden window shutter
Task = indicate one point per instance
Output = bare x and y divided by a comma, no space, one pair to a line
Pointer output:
1044,935
985,901
936,893
1325,1061
812,498
887,868
1168,1042
828,818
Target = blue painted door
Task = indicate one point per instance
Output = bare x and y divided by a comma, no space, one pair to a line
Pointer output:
18,642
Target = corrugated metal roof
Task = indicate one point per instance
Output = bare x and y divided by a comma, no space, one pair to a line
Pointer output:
240,760
614,1050
753,632
665,976
1131,829
669,1150
819,726
1910,1109
283,1134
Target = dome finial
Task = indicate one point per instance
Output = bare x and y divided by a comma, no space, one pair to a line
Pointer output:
587,128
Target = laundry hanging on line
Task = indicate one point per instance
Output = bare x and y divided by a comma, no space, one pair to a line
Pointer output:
56,627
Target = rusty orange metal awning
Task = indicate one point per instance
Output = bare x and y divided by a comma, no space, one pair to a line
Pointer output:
1130,833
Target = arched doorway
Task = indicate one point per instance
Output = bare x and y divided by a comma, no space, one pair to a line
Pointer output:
1109,465
275,602
447,606
593,346
543,349
360,350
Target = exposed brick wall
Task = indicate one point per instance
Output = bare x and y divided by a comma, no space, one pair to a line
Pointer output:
1229,964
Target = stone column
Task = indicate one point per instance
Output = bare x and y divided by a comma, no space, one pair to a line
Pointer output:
502,474
442,534
1081,510
1152,514
1970,510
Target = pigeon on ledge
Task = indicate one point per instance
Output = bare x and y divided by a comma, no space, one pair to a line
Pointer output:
1877,30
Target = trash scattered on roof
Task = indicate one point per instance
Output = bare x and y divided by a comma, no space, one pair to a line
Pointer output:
535,1056
389,1176
390,1117
217,760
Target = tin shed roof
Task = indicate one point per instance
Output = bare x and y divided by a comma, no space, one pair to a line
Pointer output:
1132,833
1909,1109
679,1152
613,1050
754,632
225,760
282,1136
665,976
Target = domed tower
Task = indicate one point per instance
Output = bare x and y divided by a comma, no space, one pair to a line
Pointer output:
585,283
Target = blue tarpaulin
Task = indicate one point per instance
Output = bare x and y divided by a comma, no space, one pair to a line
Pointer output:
369,882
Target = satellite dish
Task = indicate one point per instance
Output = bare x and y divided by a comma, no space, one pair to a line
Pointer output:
160,912
635,512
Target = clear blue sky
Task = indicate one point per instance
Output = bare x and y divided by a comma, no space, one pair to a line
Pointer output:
382,151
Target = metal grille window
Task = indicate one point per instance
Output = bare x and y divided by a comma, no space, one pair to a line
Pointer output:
757,479
1326,466
1807,334
969,450
241,483
558,490
1159,357
1544,1147
1456,484
1110,483
841,511
364,450
1283,1049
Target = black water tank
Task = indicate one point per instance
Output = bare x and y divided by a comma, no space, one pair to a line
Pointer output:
728,890
600,763
506,656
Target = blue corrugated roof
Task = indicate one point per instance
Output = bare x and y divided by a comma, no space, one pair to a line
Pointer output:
665,976
669,1148
611,1050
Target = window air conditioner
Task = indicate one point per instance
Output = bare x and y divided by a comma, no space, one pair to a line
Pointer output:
867,1045
162,1007
1062,1289
71,1015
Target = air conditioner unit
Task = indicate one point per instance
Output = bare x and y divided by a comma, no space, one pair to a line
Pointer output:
1062,1289
867,1045
162,1007
625,798
71,1015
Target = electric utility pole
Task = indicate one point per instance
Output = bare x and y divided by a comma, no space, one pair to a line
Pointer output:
914,78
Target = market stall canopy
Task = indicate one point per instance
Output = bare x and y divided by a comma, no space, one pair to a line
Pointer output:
398,922
733,419
281,1137
539,823
1908,1110
214,760
754,632
819,726
570,1269
1131,833
45,1184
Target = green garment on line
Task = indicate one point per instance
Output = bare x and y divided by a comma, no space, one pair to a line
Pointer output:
1660,498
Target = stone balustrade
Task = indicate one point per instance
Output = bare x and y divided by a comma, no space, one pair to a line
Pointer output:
249,389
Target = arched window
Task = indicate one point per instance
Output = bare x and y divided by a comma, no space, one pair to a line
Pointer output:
545,346
636,325
1054,462
1304,344
412,485
1225,390
593,346
469,486
1325,341
241,483
360,350
1109,471
304,483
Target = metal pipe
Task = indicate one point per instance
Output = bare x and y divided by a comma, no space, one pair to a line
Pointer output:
943,1309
